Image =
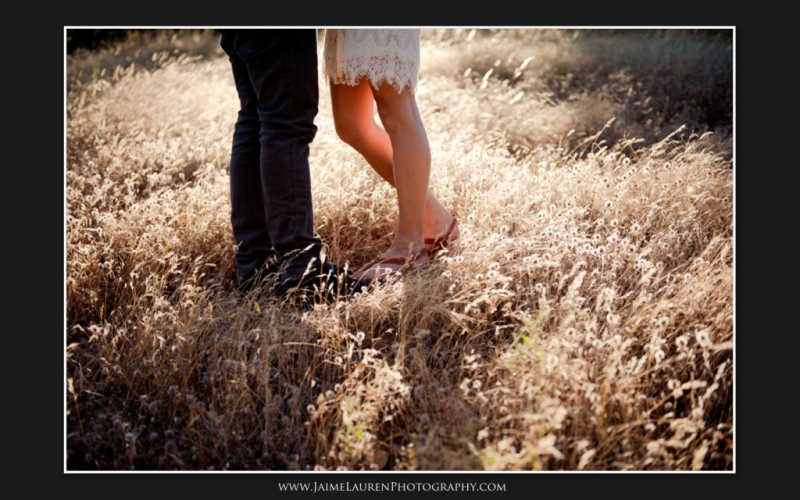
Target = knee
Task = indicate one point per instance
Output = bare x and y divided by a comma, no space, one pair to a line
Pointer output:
349,130
390,120
287,124
397,118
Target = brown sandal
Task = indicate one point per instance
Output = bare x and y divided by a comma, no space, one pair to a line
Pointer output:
434,245
406,264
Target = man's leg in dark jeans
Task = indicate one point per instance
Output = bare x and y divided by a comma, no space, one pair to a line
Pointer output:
275,72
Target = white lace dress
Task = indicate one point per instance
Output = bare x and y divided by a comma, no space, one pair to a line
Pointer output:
390,55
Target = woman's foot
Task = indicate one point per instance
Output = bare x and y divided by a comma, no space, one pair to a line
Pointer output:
386,265
442,239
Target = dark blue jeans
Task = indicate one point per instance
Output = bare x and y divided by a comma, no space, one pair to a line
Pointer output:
275,72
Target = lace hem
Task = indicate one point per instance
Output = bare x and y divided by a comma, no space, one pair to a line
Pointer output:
390,56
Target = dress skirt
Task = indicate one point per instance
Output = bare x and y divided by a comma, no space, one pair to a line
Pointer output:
380,55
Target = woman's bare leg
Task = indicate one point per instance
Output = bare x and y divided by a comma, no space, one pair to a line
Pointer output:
411,158
353,108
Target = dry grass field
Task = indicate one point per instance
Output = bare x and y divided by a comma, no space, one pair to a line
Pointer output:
583,321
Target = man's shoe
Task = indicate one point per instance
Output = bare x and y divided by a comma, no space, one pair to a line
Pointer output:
245,284
317,284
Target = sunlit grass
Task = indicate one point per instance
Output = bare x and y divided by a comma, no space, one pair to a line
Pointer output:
583,320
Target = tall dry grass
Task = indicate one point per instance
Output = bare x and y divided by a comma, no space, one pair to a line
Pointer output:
583,321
